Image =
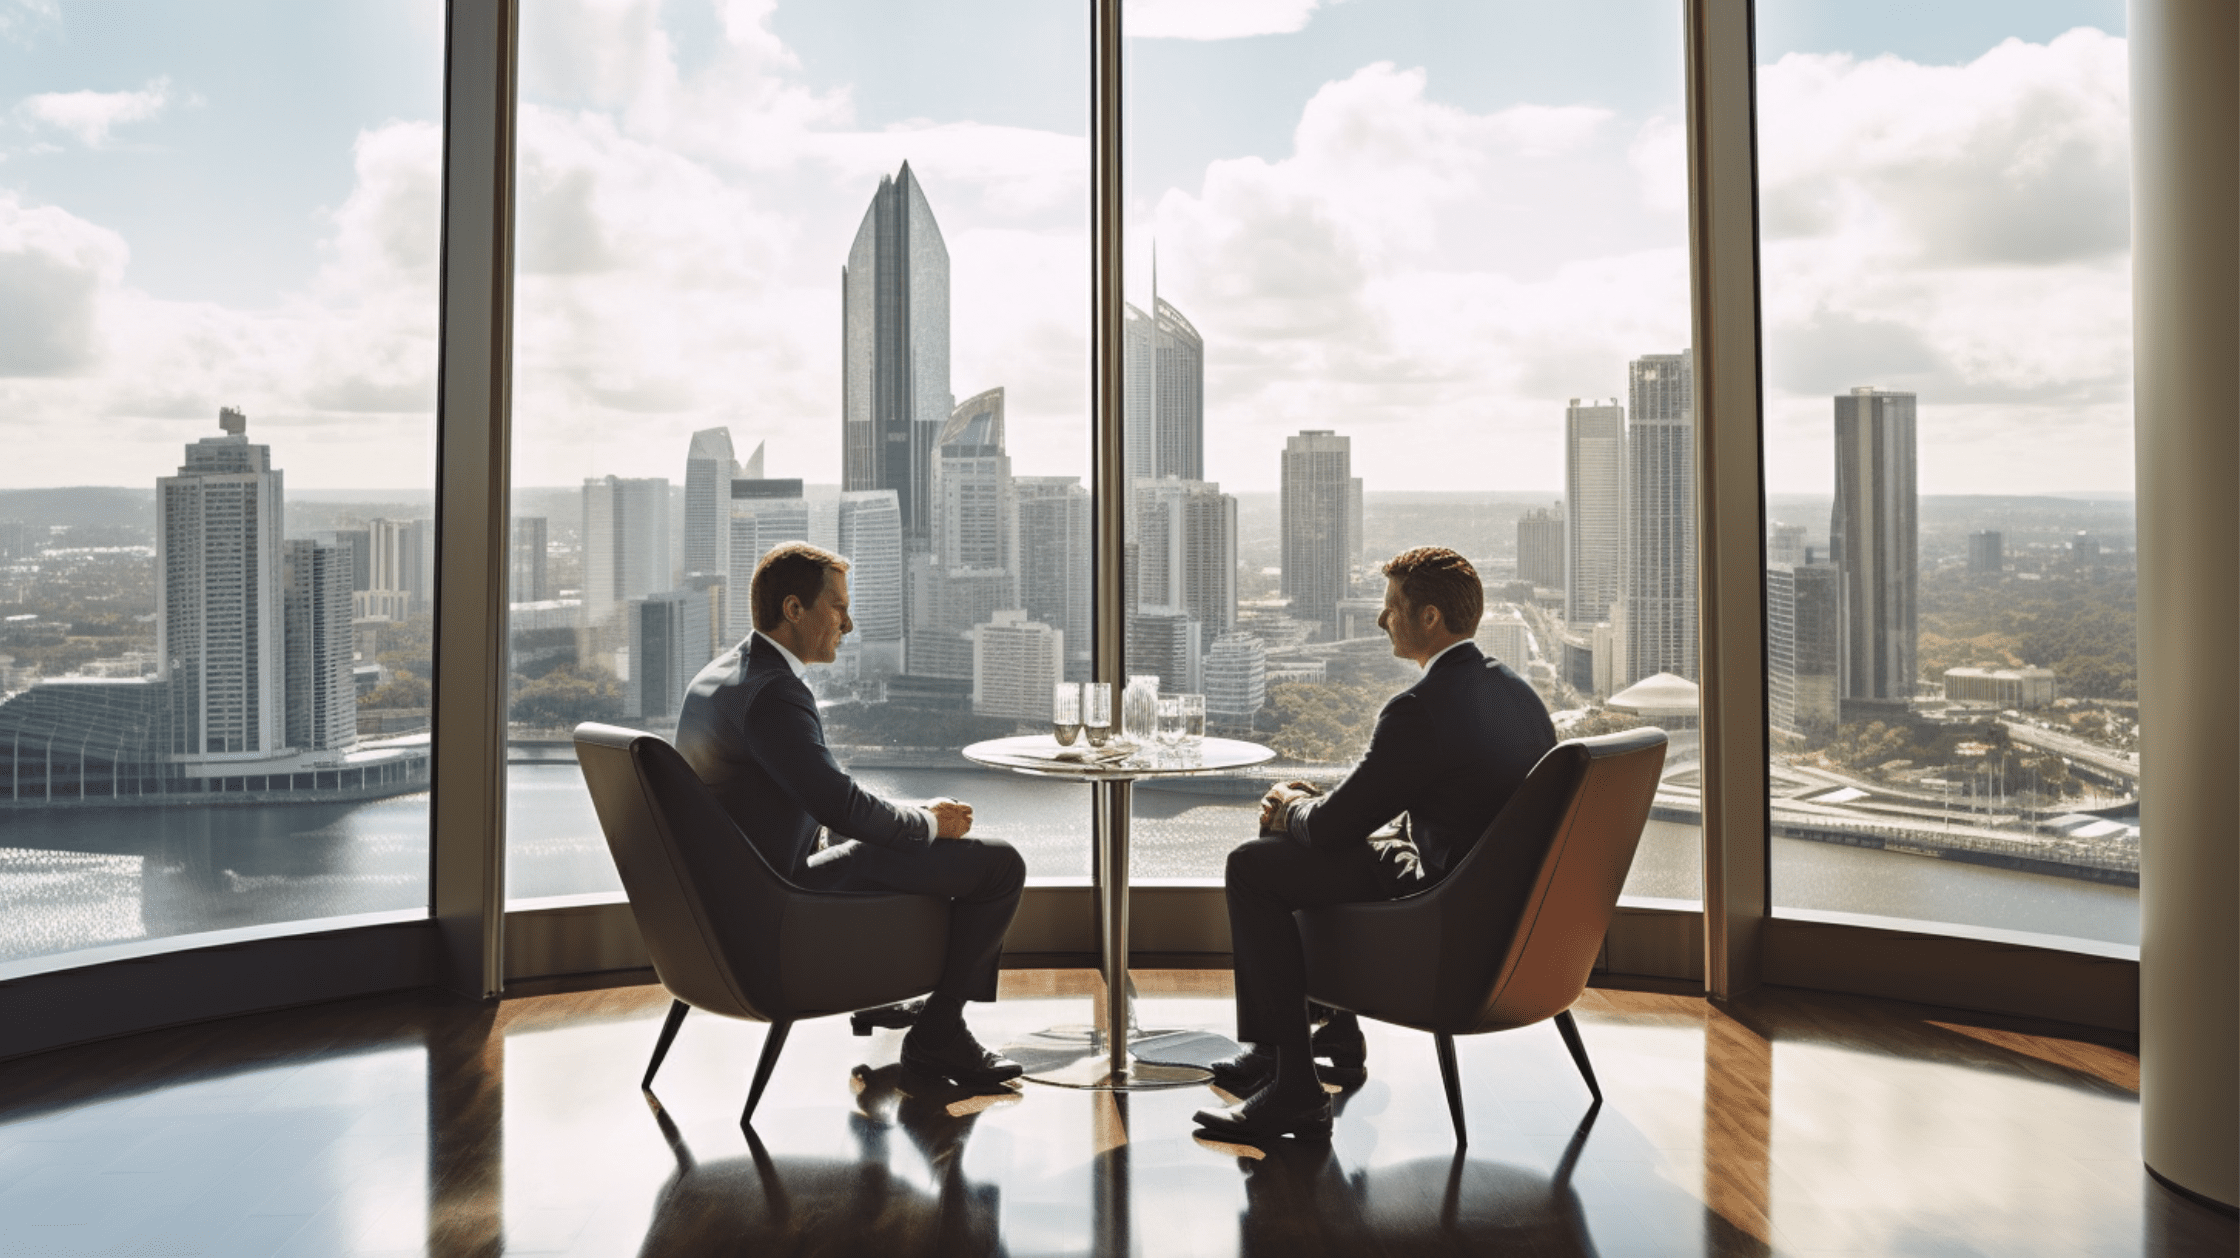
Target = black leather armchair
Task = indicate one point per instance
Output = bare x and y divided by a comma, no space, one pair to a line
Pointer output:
1510,936
726,933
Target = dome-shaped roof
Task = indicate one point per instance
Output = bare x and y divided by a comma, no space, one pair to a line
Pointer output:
1658,695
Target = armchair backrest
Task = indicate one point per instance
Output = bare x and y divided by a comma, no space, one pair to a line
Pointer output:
706,902
1525,911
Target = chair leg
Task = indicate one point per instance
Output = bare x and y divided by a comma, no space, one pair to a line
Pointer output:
772,1042
1570,1030
669,1028
1453,1078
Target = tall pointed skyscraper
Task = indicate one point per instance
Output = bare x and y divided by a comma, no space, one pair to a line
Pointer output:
894,316
709,469
1165,412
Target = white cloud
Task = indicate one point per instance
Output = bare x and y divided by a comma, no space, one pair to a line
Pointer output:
1214,19
21,21
89,117
55,271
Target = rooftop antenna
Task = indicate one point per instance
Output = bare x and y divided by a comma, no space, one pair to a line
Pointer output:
233,420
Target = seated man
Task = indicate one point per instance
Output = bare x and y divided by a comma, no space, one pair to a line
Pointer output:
750,729
1445,756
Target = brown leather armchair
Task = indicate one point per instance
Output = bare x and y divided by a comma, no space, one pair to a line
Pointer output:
1510,936
726,933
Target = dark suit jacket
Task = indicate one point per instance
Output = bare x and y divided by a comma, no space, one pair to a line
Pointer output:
750,730
1449,752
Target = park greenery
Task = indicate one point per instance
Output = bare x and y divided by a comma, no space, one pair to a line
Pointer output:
2081,623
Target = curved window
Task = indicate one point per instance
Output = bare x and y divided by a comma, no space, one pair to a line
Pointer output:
218,312
1951,578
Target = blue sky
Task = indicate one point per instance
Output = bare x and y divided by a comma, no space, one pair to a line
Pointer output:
1422,222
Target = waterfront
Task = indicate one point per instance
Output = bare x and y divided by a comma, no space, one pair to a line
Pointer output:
73,879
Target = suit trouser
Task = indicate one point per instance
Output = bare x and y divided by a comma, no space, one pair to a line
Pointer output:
981,878
1267,880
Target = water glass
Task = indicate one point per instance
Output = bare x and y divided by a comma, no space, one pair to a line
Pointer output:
1193,721
1170,725
1096,713
1065,712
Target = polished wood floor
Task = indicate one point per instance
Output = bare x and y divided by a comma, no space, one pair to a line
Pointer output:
415,1124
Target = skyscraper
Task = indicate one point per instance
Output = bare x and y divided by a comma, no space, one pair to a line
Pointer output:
219,600
525,561
1804,648
972,487
1659,582
1540,547
668,639
400,579
1986,553
870,536
322,698
709,470
1594,509
1016,663
1165,363
765,511
1186,550
894,315
1052,546
1169,644
1785,544
1236,669
1316,507
625,544
1873,538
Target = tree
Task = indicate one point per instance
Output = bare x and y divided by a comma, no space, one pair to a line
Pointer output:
1323,722
564,697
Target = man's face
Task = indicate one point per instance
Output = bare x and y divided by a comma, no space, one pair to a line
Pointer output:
1402,624
821,624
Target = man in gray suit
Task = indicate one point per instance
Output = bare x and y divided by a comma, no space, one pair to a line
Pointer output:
750,729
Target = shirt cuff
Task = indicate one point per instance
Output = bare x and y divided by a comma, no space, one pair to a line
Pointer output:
932,825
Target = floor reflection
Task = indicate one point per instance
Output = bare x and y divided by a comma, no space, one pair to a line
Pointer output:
904,1190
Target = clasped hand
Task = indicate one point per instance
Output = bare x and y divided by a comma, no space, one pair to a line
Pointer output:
952,819
1275,807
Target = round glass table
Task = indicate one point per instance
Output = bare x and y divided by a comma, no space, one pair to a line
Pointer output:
1087,1058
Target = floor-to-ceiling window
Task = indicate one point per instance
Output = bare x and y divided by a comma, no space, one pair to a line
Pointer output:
1406,274
218,313
1951,573
811,271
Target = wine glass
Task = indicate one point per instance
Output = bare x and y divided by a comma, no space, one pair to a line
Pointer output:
1096,713
1065,712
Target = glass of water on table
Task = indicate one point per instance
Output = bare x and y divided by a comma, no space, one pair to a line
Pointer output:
1193,724
1170,727
1096,713
1065,713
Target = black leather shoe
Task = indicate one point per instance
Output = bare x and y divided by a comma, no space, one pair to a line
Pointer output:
956,1056
1263,1119
1348,1053
1244,1074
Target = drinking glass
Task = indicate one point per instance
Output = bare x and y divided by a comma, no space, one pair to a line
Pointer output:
1096,713
1193,721
1065,712
1170,725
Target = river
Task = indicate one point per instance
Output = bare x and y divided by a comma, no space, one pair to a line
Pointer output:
74,879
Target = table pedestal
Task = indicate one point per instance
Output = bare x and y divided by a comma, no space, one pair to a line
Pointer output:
1098,1059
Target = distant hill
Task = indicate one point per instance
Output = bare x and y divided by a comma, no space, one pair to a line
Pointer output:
80,506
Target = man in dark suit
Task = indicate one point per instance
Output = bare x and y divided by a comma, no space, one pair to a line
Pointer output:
1445,756
750,729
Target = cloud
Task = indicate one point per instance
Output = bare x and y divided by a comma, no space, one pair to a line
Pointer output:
1214,19
22,21
54,271
90,116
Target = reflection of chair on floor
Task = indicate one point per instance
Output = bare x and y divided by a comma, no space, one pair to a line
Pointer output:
728,935
1510,936
1299,1200
860,1206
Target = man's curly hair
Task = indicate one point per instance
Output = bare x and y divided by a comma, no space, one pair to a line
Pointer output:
1439,577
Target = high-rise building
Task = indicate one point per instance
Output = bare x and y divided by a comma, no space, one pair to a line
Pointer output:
1986,553
945,604
625,543
1165,362
322,701
709,470
1873,539
1594,509
1659,583
870,536
1052,545
765,511
1785,545
525,561
1502,635
220,597
2084,549
1318,551
1357,538
1186,550
1236,687
1016,664
1540,547
357,548
668,642
972,487
401,567
1167,643
1804,648
894,315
